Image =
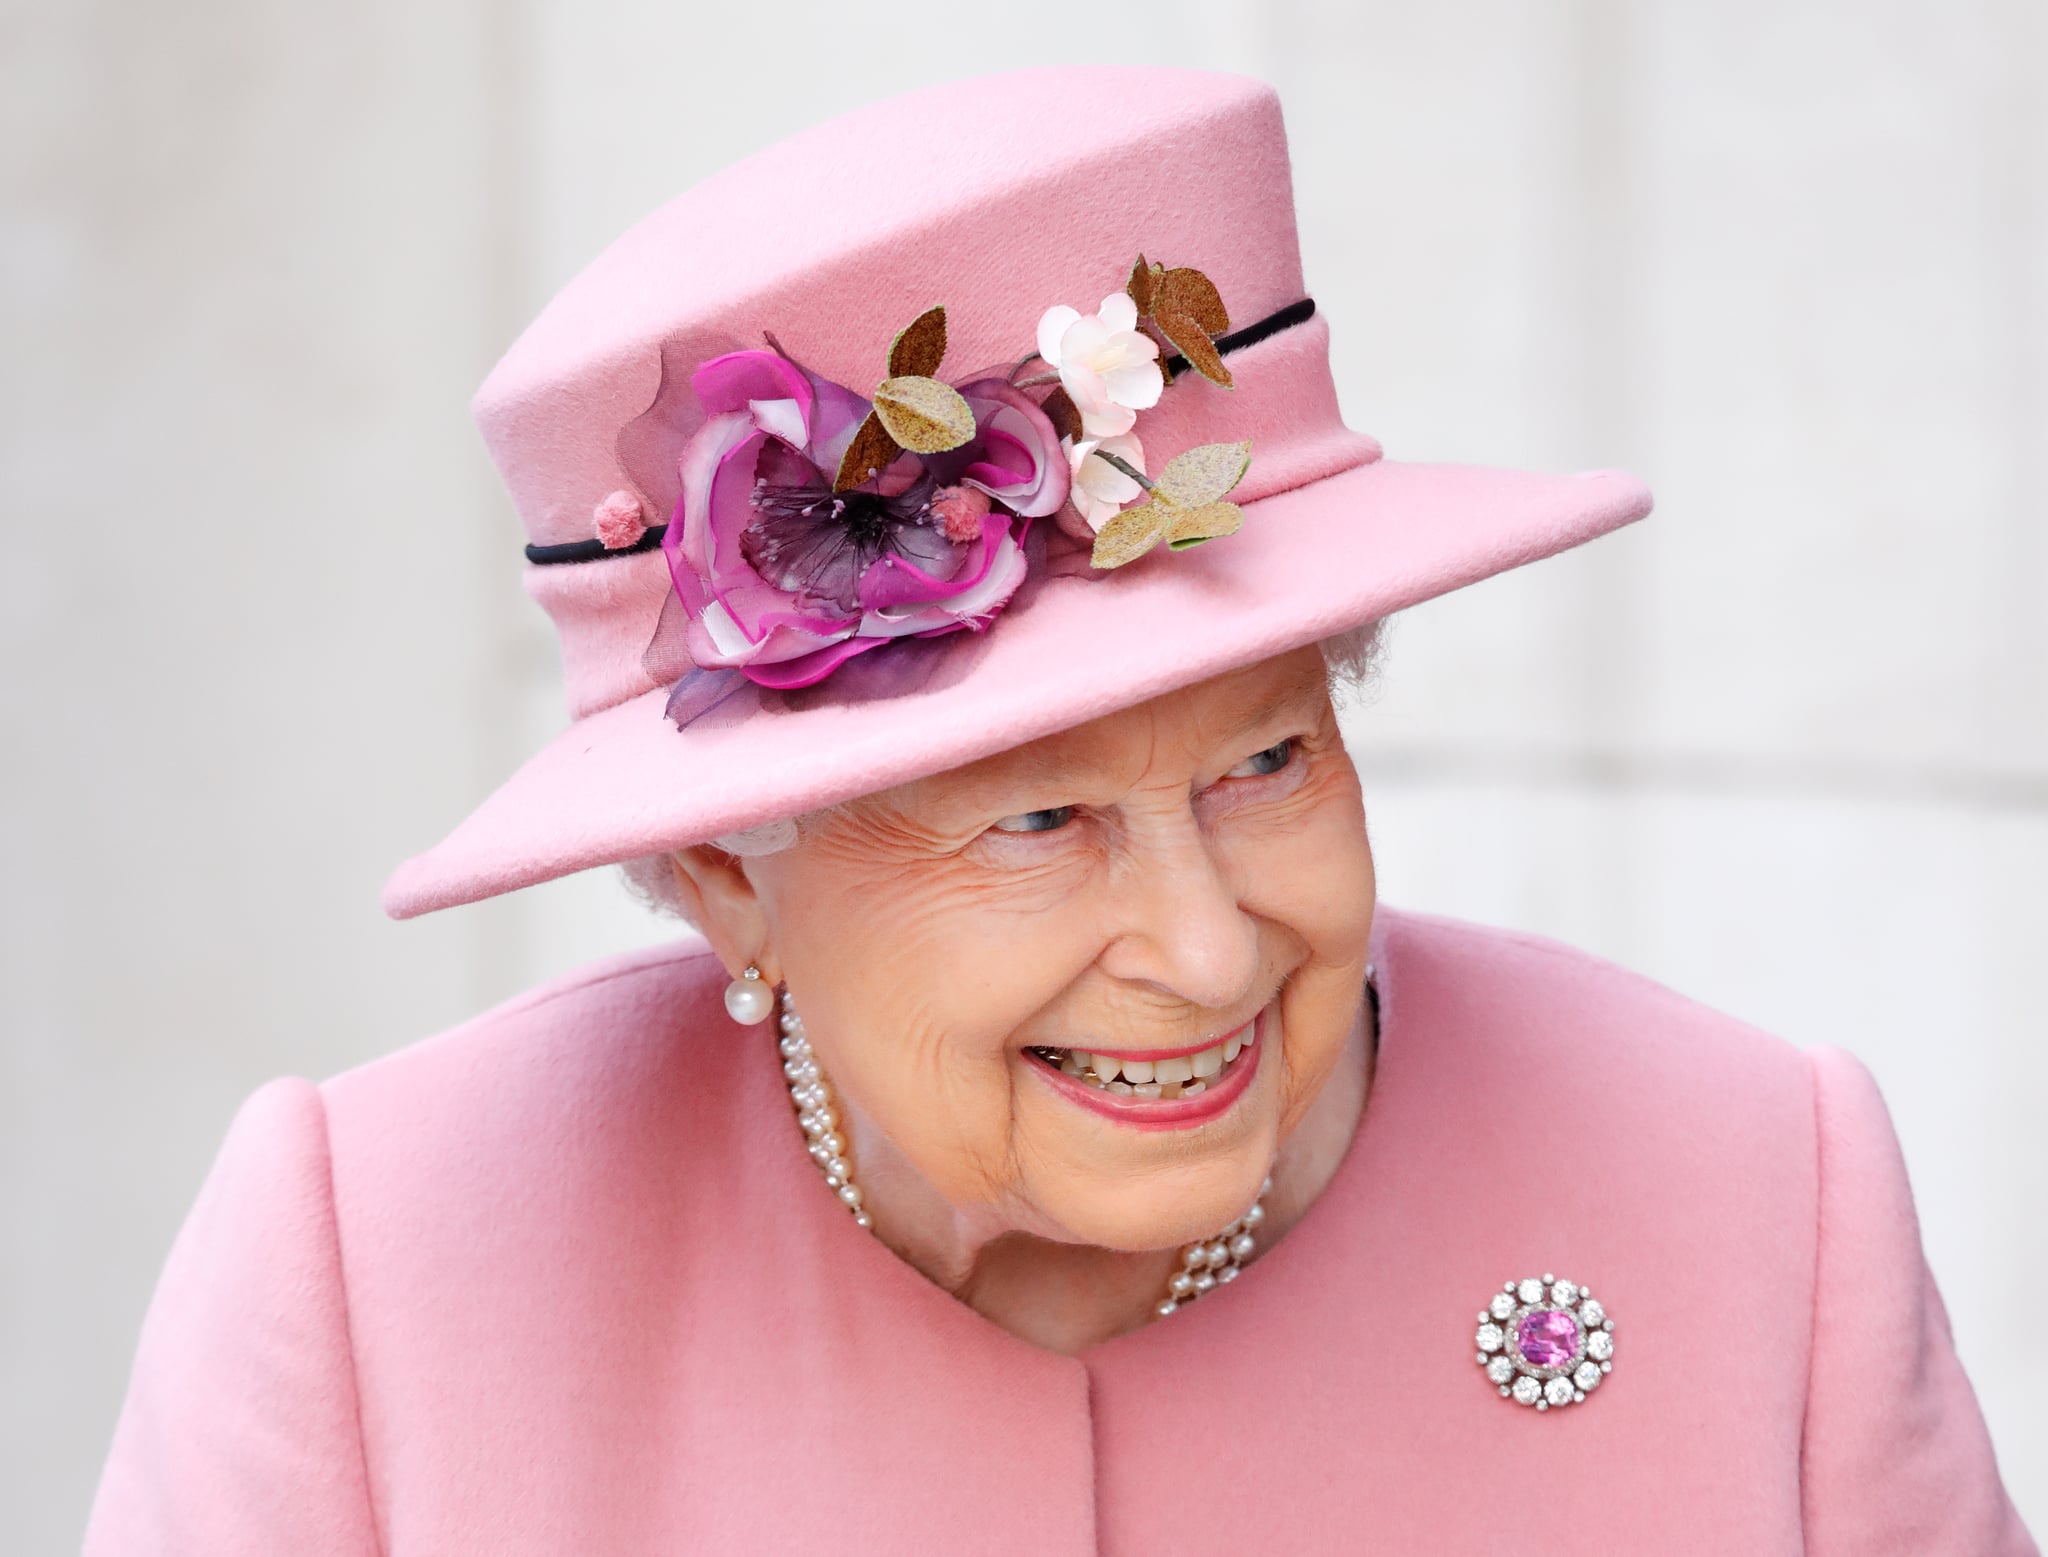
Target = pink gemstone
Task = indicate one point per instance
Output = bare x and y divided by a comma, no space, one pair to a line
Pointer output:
1547,1337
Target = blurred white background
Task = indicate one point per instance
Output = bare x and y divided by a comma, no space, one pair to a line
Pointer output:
1785,746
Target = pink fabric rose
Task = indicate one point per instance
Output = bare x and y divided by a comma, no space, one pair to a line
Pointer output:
784,580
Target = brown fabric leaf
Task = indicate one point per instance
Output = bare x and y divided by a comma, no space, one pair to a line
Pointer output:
1190,526
1185,290
922,414
1140,285
1065,416
1194,344
919,346
1204,474
871,450
1129,535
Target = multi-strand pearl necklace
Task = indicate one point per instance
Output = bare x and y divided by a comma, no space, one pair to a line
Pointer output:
1205,1266
813,1100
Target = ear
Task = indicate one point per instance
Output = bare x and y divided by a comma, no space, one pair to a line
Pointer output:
722,901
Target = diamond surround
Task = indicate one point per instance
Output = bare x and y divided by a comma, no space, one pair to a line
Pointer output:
1544,1342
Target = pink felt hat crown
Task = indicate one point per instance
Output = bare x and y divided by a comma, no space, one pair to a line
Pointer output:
996,197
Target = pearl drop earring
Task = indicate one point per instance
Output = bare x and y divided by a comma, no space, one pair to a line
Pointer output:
748,999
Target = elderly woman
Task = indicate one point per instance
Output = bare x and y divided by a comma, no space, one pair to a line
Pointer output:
1048,1147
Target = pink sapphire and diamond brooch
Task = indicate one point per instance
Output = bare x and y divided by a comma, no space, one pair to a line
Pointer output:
1545,1342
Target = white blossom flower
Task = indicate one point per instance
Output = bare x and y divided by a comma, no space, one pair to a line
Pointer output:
1099,489
1107,365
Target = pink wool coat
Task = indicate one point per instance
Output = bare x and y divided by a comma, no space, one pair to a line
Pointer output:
564,1281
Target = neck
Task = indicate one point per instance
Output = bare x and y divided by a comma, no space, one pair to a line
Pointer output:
1067,1297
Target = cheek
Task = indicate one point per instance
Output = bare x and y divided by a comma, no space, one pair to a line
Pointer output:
913,983
1306,868
1310,879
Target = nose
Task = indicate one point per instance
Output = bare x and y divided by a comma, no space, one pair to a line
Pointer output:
1178,923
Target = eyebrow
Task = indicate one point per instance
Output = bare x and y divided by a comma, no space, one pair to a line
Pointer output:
1280,700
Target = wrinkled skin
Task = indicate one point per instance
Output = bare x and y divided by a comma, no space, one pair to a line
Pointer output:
1144,881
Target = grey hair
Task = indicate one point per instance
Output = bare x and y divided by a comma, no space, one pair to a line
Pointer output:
1352,658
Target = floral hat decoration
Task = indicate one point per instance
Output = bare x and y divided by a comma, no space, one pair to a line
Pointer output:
816,524
829,485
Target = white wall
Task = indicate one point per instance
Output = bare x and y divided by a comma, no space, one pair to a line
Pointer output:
1785,746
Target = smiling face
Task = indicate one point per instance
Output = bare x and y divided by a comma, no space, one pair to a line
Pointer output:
1178,895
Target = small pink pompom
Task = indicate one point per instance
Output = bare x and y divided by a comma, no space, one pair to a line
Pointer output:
960,511
618,520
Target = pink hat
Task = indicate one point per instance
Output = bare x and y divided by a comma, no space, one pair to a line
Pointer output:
805,537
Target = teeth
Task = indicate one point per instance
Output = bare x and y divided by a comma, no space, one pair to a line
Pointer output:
1148,1078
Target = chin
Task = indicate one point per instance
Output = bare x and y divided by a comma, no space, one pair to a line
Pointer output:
1164,1208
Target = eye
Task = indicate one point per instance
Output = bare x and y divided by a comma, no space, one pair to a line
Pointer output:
1259,764
1036,821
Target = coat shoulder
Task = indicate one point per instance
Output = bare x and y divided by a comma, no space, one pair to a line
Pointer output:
574,1095
601,1025
1562,1029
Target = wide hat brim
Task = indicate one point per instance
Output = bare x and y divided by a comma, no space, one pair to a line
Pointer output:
1316,560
